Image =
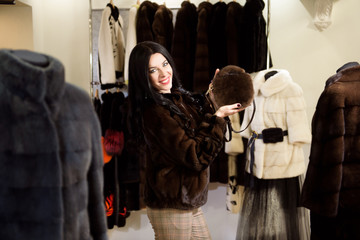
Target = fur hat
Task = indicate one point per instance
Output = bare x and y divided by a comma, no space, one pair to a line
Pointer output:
233,85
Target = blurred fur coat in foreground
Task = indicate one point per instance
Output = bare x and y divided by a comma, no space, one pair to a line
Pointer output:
51,175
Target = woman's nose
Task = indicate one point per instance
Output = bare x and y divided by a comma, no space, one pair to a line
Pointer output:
161,71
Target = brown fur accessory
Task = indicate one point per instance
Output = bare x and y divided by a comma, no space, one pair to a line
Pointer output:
233,85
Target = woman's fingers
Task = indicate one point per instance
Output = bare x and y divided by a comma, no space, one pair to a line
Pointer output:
228,110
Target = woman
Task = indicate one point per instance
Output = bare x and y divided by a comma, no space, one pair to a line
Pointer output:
183,135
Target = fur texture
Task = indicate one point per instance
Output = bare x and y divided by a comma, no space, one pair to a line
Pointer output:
254,34
233,85
201,64
144,20
333,177
279,103
163,26
50,155
234,34
217,37
184,43
179,154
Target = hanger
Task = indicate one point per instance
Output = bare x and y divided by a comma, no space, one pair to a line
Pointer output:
114,10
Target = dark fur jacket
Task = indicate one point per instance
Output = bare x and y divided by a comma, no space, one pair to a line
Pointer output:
50,155
144,21
333,176
254,32
179,154
163,26
201,63
184,43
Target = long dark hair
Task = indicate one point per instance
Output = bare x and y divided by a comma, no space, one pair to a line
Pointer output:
140,90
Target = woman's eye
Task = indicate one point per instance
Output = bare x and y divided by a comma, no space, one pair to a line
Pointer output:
165,63
152,70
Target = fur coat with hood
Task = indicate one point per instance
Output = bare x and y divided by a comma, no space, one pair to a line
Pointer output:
179,153
279,103
50,155
332,179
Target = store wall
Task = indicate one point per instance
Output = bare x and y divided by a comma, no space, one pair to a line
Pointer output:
61,29
17,17
311,56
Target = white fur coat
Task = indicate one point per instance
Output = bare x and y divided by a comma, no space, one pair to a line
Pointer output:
111,45
279,103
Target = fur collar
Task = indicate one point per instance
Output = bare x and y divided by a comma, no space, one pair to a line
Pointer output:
344,75
273,84
29,82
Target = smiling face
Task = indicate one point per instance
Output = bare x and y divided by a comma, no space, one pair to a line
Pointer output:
160,73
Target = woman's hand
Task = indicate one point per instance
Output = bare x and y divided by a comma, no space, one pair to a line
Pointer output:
228,110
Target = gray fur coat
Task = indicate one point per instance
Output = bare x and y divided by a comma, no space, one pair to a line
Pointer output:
51,175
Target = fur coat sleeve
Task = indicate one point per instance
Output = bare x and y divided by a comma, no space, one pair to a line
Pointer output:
195,151
179,156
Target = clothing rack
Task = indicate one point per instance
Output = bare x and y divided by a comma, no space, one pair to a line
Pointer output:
138,2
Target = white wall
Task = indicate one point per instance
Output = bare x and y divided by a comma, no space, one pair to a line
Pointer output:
61,29
311,56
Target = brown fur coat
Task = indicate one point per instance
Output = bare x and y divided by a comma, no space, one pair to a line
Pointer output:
184,43
333,176
179,154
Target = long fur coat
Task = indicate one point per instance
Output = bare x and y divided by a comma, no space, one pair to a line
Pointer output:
144,20
51,177
254,34
333,176
201,62
279,103
184,43
163,27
